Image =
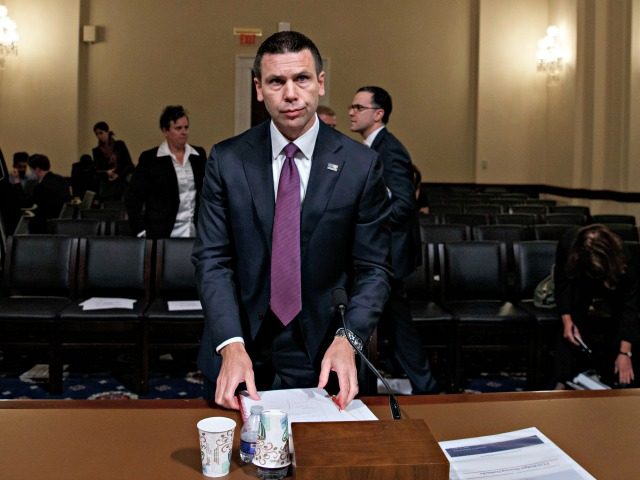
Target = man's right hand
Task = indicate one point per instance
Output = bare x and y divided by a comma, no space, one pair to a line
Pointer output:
236,368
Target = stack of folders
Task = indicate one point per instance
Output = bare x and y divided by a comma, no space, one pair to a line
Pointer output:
588,380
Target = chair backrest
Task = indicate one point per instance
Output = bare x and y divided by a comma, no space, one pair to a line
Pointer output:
106,214
502,233
41,265
488,208
529,208
115,266
516,219
175,274
613,218
470,219
533,261
120,228
551,231
473,270
444,233
625,231
429,218
566,218
578,209
80,227
445,209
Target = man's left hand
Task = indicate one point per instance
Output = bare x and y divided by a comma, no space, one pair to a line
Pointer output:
340,358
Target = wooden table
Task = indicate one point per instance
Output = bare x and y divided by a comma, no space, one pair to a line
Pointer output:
127,439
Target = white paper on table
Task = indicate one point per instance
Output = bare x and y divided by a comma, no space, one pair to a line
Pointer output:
180,305
103,303
306,405
518,455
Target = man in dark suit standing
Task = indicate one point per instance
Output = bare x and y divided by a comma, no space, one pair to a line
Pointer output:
266,284
50,193
369,115
163,197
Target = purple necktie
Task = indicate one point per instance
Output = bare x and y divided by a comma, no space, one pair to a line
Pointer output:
286,290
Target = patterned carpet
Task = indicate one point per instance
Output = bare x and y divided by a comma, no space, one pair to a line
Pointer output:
111,377
168,380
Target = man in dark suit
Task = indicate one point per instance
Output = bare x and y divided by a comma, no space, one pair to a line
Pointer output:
339,238
51,192
369,115
163,197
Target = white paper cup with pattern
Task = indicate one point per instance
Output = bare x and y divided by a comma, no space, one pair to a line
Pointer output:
272,445
216,441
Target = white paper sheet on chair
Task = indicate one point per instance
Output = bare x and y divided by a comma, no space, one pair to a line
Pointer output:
104,303
180,305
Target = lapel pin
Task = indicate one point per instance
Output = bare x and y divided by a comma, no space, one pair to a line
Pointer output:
332,166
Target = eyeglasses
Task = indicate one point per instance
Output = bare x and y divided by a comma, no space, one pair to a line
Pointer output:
359,108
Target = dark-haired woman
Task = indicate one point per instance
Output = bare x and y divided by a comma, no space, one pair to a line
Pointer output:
593,266
113,161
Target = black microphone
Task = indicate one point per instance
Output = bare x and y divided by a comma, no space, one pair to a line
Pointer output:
340,302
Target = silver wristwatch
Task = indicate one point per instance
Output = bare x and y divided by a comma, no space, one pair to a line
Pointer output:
355,340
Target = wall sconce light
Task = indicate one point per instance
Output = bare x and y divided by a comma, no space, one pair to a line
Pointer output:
8,35
551,53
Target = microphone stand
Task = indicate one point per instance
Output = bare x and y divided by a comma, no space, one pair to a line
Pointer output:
393,402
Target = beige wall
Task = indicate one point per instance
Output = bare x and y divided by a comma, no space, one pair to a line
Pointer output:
39,87
468,101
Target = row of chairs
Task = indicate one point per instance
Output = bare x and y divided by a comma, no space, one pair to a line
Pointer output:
83,227
48,277
524,218
463,304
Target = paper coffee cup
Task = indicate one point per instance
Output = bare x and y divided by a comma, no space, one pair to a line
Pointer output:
216,441
272,445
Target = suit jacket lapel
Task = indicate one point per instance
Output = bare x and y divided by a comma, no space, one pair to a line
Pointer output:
259,171
325,169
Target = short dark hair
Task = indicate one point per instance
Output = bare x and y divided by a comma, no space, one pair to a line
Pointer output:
286,42
104,126
20,157
381,99
37,160
171,113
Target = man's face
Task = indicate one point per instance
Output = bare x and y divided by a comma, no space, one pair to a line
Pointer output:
290,90
365,120
178,133
328,119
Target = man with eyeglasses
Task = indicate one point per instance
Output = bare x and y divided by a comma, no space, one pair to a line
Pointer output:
369,115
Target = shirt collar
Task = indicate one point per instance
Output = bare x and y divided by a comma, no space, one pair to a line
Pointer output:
372,136
163,150
305,142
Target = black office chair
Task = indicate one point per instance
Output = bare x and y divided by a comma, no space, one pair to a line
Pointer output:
474,291
486,208
576,209
606,218
470,219
171,326
533,262
39,280
75,227
566,218
516,219
551,231
111,267
625,231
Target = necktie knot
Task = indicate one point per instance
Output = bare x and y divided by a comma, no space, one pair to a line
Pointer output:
290,150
